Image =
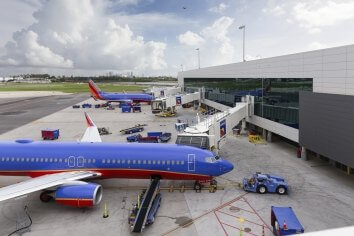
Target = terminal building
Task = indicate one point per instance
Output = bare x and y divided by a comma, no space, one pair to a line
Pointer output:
306,98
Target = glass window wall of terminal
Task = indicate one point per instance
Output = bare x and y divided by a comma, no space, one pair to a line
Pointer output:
276,99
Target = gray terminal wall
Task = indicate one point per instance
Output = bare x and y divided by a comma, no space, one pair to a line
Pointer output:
326,125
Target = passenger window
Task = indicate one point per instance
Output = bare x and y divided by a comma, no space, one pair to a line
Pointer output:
123,161
182,162
103,161
172,162
113,161
118,161
88,160
177,162
158,162
55,159
17,159
154,162
41,159
60,160
51,160
167,162
144,161
94,160
65,160
27,159
128,161
133,161
2,159
139,162
163,162
149,162
109,161
32,159
46,160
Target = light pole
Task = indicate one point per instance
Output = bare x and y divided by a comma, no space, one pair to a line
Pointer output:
244,32
198,58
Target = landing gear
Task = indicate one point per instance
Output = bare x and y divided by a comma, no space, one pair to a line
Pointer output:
213,186
45,196
197,186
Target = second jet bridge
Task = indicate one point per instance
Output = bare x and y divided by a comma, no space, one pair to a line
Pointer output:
210,131
169,103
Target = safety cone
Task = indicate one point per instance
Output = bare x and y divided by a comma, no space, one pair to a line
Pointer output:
285,227
105,212
263,233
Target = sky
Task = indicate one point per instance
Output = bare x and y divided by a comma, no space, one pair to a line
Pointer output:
160,37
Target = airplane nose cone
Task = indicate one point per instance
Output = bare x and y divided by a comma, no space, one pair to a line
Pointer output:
228,166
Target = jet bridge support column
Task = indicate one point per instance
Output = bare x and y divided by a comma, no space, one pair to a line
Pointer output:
243,126
303,153
269,136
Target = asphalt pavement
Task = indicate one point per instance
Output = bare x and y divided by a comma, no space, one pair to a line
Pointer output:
15,112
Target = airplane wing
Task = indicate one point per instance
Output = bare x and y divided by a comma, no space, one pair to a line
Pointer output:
91,134
43,182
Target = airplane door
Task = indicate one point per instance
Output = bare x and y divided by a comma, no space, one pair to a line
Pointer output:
191,162
71,161
80,162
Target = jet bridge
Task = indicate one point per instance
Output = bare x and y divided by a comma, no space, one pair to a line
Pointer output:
158,92
210,131
143,211
169,103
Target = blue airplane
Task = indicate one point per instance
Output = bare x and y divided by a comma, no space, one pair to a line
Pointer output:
60,169
97,94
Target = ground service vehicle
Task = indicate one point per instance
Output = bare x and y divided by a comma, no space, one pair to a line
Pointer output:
263,183
165,137
50,134
285,222
131,130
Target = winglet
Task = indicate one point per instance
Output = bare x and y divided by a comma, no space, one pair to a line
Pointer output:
89,120
91,134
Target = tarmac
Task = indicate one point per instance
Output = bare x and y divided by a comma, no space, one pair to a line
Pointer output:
321,195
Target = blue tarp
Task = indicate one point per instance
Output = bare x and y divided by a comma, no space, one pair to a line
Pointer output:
287,215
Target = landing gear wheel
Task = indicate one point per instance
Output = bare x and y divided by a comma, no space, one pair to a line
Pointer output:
45,197
197,187
261,189
281,190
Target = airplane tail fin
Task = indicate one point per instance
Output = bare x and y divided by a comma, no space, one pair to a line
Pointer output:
94,90
91,134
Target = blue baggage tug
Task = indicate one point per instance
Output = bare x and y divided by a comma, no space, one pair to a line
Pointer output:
285,222
263,183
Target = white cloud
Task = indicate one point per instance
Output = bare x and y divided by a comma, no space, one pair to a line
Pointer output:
313,15
317,45
191,39
277,10
26,51
219,8
81,35
216,47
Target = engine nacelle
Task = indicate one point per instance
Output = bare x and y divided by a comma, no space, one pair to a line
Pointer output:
83,195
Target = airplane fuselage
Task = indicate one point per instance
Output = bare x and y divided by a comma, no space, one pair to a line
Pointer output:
112,160
135,97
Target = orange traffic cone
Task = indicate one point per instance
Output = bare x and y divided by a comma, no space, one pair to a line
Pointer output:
285,227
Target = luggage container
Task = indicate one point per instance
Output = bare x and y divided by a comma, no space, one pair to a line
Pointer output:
136,108
126,108
154,134
50,134
285,222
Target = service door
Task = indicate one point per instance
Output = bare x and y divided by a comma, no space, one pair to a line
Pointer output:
191,162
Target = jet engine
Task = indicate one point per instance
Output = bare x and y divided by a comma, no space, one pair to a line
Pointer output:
83,195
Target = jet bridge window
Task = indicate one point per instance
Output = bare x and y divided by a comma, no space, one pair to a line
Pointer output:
194,141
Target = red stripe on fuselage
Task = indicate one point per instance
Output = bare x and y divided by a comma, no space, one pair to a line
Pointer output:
117,173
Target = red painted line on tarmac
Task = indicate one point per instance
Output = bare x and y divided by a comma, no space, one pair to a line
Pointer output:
258,215
240,229
240,217
206,213
220,223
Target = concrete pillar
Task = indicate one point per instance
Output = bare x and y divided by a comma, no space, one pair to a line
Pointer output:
303,153
349,170
331,162
243,126
269,136
264,134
